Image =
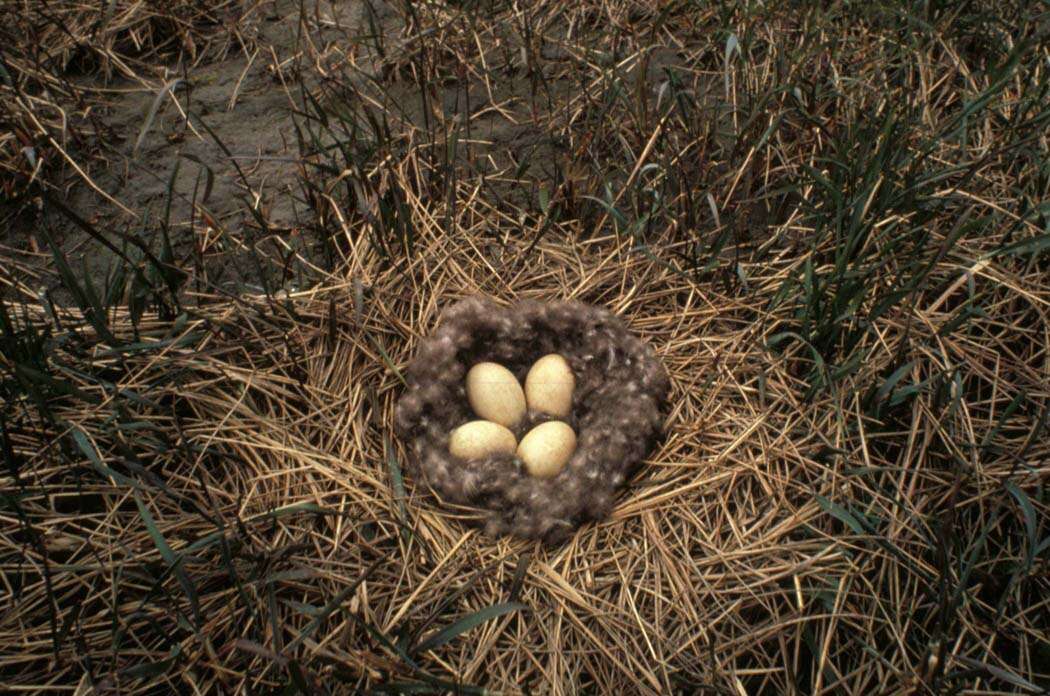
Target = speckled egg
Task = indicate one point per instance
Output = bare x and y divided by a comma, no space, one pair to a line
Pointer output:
494,394
479,439
549,386
547,448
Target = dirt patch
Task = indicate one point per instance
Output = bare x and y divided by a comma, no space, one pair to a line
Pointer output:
211,158
210,153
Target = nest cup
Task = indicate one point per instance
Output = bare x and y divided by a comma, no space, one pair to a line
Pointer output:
617,411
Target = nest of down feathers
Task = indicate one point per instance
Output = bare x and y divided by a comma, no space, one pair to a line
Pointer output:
617,411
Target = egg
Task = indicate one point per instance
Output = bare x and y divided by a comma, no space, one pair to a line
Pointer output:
549,386
479,439
494,394
547,448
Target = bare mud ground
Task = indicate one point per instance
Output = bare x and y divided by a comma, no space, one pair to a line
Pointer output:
199,151
212,155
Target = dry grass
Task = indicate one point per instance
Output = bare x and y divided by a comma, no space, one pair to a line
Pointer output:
829,225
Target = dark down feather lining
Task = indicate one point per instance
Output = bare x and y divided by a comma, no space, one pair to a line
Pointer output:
617,411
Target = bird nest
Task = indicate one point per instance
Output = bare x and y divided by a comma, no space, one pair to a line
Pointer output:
617,409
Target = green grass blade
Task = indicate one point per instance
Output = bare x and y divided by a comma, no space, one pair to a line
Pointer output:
173,561
467,623
892,380
841,514
1029,516
999,673
333,606
151,114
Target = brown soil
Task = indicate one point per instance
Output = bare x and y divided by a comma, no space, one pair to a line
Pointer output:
233,118
236,122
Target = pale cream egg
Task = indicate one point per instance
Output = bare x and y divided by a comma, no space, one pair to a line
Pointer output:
479,439
494,394
549,386
547,448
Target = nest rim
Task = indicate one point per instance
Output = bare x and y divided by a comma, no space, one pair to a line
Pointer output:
612,439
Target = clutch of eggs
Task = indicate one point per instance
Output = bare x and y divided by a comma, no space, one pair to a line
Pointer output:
498,399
